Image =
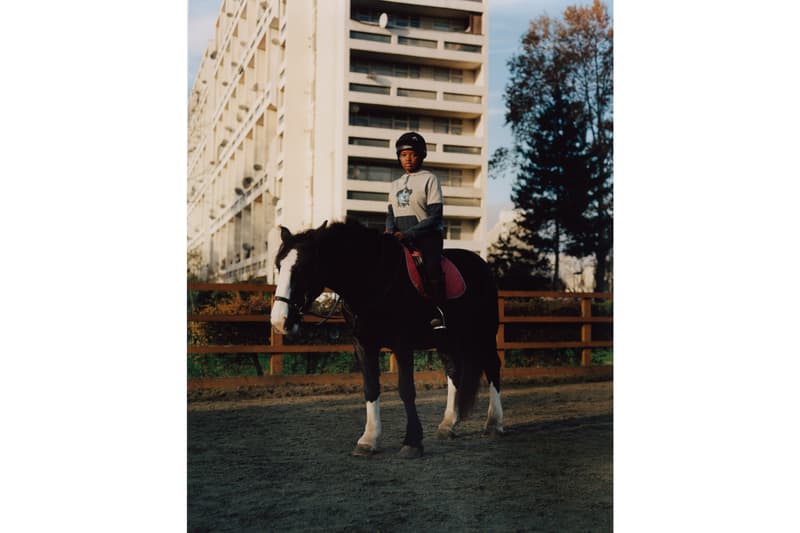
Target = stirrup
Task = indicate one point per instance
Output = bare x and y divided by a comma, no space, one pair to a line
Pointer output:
437,323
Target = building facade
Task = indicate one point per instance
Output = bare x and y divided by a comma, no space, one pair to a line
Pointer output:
294,113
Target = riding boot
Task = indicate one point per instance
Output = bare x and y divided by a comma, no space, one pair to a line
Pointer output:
437,293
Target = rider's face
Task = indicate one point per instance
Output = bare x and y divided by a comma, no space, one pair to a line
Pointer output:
410,161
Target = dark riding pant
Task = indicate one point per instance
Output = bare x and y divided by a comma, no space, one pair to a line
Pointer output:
430,246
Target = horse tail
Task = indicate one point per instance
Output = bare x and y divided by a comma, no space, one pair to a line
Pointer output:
467,389
481,355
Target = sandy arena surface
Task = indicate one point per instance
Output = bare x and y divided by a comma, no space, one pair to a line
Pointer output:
275,462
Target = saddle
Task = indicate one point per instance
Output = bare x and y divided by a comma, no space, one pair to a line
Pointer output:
454,285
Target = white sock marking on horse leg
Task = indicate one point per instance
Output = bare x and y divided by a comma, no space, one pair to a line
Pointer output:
280,310
494,417
372,429
450,415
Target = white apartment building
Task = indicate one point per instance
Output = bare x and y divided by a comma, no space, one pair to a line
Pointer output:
295,110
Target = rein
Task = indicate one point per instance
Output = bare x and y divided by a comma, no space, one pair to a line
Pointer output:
330,312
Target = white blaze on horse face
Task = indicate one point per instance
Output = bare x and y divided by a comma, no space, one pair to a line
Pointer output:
280,310
372,430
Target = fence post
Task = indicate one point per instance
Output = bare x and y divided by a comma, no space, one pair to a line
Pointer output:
586,331
501,330
275,340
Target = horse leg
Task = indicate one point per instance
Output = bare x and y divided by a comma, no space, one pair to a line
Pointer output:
445,430
494,418
370,368
412,443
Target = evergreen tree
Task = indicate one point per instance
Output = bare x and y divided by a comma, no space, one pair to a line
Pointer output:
516,265
558,103
587,40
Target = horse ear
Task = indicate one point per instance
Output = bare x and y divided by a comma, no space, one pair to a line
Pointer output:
285,234
322,226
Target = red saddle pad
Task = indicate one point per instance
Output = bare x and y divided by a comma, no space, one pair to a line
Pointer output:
453,281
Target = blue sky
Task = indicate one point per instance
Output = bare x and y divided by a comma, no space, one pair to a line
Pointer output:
508,21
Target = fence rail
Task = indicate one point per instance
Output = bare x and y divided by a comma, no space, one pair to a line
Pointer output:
276,347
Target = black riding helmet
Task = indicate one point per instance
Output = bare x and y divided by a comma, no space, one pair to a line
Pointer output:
411,141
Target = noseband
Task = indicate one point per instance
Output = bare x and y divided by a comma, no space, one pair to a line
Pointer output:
290,303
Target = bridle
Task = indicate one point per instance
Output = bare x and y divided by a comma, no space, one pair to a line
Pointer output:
300,309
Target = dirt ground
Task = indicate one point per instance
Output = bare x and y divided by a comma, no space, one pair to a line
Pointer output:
277,462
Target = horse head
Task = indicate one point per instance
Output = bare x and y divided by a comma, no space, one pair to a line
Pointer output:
299,279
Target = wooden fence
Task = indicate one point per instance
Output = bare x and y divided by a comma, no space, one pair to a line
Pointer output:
276,347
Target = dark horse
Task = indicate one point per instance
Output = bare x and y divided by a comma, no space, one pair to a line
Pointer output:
367,269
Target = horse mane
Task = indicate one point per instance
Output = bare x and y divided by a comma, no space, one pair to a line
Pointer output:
341,241
352,228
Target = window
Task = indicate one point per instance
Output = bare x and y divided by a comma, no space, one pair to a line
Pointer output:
366,15
369,171
452,228
359,120
455,149
374,89
414,93
449,24
453,177
441,24
370,37
441,74
383,120
448,125
359,66
463,47
469,98
399,70
364,141
408,41
404,21
367,195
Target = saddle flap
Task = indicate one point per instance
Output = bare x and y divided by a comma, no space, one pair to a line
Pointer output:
453,280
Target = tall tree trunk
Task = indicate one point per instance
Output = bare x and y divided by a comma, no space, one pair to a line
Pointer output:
556,250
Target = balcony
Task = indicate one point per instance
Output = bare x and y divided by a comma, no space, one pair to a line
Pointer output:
426,47
457,102
377,143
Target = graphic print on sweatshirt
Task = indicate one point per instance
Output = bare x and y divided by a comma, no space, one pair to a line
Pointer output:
404,196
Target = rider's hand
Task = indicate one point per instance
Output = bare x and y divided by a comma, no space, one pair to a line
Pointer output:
399,235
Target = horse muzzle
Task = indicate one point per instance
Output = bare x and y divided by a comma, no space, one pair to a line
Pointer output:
285,318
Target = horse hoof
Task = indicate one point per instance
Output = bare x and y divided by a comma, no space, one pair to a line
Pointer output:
364,450
411,452
494,431
445,434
